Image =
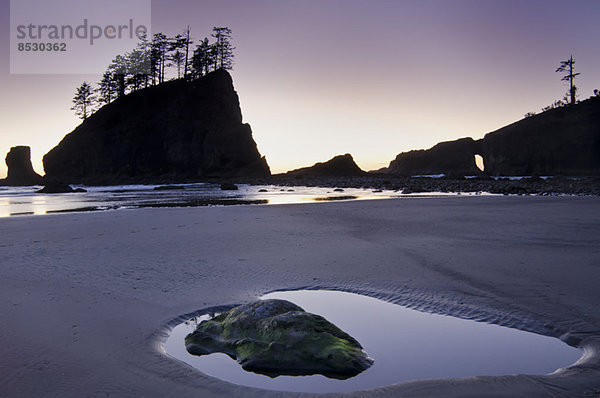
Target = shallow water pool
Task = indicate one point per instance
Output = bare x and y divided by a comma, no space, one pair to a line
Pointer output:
406,345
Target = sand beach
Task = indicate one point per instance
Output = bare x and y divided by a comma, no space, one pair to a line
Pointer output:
87,298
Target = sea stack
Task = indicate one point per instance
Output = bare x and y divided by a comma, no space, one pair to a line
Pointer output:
452,158
338,166
20,170
176,131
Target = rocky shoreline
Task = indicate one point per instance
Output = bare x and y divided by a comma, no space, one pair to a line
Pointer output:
501,185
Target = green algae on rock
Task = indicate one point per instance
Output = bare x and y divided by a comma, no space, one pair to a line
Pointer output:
276,337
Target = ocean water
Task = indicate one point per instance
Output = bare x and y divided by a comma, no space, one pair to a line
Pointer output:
405,344
24,201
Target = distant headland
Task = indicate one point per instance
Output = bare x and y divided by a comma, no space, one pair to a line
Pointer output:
560,141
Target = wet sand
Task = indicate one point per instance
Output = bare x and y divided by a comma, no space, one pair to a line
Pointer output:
86,298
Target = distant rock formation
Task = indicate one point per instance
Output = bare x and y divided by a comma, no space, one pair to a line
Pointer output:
57,187
20,170
452,158
176,131
339,166
227,186
561,141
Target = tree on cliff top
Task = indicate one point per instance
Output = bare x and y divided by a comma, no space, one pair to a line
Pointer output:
569,66
187,42
202,60
177,53
118,69
83,100
146,64
223,48
160,46
107,88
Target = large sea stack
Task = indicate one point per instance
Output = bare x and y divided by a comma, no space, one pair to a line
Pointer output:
176,131
20,170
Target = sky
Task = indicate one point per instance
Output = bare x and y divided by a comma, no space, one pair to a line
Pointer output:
318,78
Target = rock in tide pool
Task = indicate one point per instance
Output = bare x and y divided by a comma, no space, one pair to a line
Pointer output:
276,337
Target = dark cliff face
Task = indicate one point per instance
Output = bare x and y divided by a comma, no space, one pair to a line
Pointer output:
450,158
562,141
179,130
20,170
338,166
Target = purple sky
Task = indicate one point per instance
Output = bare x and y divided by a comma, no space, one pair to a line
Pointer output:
317,78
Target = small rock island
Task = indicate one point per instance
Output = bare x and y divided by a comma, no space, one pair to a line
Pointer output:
277,337
20,169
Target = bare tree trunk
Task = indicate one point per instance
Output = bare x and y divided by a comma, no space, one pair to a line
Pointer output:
187,49
162,68
572,77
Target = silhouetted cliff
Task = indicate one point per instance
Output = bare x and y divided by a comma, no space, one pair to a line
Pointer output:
20,170
338,166
450,158
178,130
561,141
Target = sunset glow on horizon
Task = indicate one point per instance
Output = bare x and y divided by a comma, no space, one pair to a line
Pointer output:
368,77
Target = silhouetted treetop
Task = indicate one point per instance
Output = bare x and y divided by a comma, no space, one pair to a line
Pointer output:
568,66
148,63
223,48
83,101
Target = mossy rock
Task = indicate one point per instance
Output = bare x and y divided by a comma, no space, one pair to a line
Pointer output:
276,337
